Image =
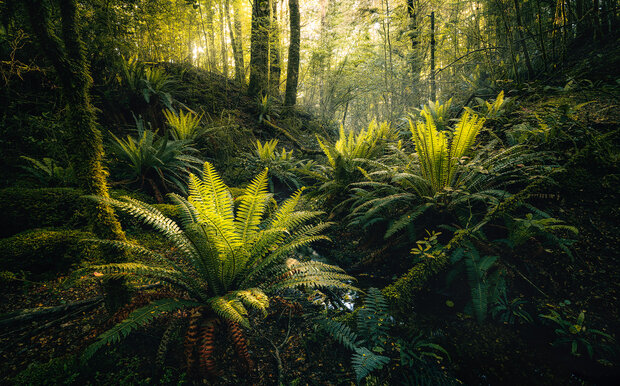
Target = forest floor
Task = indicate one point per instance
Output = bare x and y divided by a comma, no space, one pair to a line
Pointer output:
586,196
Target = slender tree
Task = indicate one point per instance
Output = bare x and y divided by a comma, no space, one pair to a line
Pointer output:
292,72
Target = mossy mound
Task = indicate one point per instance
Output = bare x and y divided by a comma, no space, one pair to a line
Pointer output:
24,209
44,252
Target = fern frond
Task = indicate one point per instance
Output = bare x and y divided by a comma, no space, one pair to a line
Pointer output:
252,207
341,333
365,361
230,309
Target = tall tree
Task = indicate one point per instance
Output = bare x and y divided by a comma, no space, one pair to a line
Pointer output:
259,55
235,42
275,69
292,72
84,139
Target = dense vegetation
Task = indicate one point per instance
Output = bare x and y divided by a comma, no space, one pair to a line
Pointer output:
333,192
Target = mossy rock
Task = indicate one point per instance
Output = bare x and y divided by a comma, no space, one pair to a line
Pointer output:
24,209
45,252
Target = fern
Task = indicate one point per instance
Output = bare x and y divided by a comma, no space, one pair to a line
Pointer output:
228,263
341,333
365,361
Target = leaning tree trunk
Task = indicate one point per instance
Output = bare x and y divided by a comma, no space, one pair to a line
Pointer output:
292,72
84,140
259,50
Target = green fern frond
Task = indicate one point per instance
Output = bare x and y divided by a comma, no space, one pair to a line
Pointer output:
365,361
230,309
341,333
252,207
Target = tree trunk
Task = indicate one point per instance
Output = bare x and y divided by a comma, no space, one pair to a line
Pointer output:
292,74
259,48
239,39
526,54
234,37
275,69
433,84
84,142
223,48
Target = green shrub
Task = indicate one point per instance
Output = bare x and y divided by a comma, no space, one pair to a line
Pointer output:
45,251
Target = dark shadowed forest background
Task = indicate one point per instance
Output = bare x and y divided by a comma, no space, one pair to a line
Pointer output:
271,192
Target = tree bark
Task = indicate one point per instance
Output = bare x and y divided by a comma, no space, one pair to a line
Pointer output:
292,72
433,84
259,48
275,69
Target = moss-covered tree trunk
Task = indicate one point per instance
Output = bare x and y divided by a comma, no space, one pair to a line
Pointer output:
259,50
275,69
292,71
84,141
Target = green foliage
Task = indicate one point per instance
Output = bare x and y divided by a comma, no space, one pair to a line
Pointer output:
373,320
185,126
372,325
266,108
43,252
229,260
539,224
437,112
484,278
444,174
48,173
419,350
58,371
348,156
511,311
281,164
135,320
365,361
158,161
439,158
577,335
144,81
371,341
492,110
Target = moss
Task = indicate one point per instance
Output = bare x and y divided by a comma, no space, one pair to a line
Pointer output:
43,252
169,210
24,209
27,208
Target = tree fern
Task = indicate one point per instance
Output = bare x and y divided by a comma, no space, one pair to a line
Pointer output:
228,263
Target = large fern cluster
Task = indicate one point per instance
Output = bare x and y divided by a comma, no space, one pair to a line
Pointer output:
348,156
446,172
228,260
